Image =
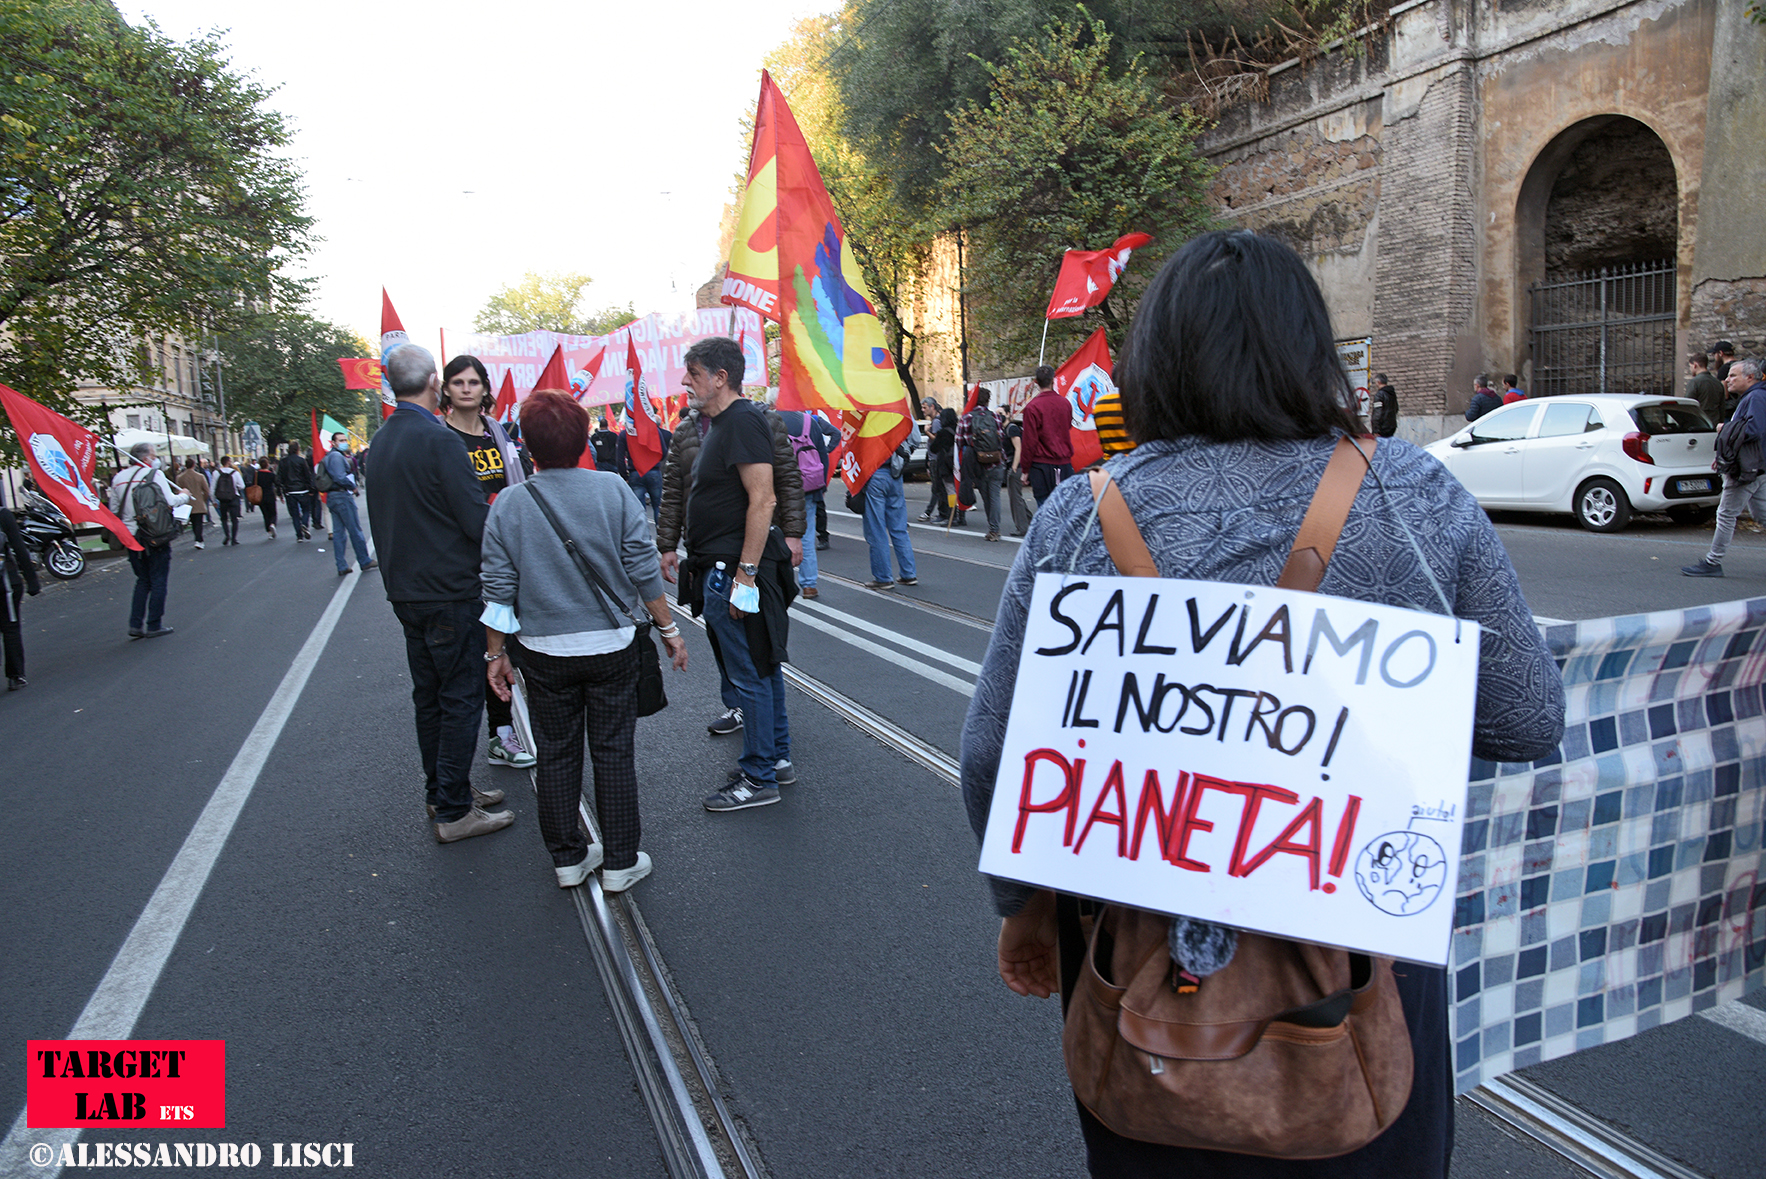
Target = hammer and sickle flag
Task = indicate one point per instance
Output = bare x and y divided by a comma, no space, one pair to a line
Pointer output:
791,262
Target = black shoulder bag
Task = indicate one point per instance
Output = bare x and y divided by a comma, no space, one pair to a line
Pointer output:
652,698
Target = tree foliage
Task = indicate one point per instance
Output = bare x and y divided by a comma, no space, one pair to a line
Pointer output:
548,302
1068,153
142,193
279,366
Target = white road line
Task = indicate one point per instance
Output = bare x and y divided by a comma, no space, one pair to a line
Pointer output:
900,640
896,657
1738,1017
1541,621
114,1007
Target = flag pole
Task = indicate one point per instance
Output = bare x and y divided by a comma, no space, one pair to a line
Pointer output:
1045,342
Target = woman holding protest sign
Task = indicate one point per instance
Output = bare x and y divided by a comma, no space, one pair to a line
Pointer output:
1235,438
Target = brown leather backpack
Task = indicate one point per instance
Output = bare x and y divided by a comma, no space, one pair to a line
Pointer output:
1292,1050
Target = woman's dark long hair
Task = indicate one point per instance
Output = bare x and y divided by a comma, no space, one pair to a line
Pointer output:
1232,341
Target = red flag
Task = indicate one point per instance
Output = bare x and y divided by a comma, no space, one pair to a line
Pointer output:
1087,276
974,396
505,398
392,337
1082,379
360,374
554,375
62,455
644,443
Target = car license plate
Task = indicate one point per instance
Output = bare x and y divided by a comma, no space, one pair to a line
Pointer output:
1689,485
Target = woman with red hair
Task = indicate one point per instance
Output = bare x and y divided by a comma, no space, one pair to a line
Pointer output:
576,643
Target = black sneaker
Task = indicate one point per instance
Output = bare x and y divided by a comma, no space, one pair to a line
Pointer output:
784,773
740,795
1702,569
907,581
729,722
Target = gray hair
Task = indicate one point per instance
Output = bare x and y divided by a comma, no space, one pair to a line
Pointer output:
142,449
1750,367
408,370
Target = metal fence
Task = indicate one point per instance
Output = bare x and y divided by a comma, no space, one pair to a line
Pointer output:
1606,331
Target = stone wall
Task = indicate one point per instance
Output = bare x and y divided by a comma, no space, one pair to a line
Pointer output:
1416,174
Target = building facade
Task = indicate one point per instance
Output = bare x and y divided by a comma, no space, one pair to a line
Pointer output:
1560,189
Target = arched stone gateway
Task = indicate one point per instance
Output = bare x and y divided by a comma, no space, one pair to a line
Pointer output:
1597,227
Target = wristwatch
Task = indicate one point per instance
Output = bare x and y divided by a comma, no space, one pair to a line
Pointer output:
750,570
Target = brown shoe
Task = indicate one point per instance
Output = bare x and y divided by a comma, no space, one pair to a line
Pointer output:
480,799
473,822
810,592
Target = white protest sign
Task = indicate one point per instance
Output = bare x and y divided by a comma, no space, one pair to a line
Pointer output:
1275,760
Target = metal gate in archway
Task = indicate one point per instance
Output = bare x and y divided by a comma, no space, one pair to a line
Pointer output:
1606,331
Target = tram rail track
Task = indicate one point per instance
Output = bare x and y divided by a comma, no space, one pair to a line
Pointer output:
699,1136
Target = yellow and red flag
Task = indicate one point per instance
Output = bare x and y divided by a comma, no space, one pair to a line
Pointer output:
791,263
360,373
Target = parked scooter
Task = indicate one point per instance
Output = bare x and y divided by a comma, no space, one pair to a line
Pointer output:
48,531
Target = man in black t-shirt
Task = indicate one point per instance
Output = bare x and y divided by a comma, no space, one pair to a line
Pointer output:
744,576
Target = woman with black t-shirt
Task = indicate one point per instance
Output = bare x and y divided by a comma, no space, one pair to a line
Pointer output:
466,394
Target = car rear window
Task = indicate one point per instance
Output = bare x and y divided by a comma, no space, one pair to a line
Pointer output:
1665,417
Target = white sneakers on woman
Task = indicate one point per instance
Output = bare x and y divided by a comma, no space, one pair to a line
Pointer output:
612,879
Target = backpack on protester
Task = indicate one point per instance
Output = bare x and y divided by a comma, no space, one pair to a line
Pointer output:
1739,455
322,479
155,525
984,438
226,491
1291,1050
809,458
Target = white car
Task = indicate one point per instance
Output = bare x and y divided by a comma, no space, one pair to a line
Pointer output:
1599,457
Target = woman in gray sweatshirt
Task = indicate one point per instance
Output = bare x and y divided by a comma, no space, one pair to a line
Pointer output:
577,650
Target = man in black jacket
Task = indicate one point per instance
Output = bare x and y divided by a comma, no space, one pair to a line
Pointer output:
296,478
427,516
1382,407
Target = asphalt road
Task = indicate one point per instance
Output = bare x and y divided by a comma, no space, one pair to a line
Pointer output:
438,1007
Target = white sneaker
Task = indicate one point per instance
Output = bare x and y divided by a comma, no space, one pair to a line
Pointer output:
575,874
508,753
620,879
199,544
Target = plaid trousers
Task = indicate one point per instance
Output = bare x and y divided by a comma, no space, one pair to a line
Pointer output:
567,695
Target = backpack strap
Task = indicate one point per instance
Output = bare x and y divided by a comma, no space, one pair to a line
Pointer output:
1313,546
1325,516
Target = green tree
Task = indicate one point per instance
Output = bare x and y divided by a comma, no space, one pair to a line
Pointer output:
551,303
279,366
1068,153
891,244
142,192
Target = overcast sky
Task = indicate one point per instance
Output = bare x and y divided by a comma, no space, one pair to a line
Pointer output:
449,148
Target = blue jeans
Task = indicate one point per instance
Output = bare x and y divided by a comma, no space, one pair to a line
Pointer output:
346,526
806,571
648,489
152,568
766,731
886,524
298,504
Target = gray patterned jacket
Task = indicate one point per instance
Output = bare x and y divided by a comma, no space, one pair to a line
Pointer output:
1229,512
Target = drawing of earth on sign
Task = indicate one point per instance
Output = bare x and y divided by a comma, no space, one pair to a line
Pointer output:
1092,384
1401,872
59,466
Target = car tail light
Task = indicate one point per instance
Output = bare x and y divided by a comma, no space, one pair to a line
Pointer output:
1636,444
